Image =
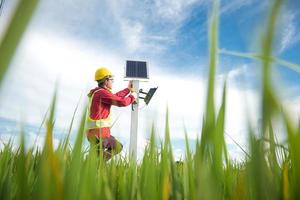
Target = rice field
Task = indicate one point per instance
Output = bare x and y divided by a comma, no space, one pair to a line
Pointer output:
269,170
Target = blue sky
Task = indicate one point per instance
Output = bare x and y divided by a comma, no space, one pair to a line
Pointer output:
67,40
174,32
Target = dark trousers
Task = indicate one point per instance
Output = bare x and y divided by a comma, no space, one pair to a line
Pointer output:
109,146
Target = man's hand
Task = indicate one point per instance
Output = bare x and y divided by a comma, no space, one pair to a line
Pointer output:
130,86
134,94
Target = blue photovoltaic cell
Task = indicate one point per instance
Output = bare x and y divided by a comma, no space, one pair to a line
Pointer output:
136,69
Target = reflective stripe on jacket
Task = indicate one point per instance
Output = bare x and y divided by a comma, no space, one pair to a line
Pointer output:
98,123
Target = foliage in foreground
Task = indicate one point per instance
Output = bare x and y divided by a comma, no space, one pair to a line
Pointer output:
71,174
270,171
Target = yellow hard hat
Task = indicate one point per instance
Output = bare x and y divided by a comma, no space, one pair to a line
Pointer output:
101,73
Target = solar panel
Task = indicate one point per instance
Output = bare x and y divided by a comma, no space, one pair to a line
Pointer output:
136,70
150,95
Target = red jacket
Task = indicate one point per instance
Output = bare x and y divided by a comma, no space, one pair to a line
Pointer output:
100,107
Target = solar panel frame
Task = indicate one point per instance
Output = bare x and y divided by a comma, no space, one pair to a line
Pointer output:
136,70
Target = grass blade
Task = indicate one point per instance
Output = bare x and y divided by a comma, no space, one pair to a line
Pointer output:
14,32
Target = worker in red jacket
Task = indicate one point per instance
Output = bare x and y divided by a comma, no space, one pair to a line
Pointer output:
98,116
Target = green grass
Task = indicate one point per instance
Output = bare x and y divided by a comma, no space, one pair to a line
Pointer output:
269,170
13,34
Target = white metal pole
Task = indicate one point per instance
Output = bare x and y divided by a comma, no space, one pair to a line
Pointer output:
134,123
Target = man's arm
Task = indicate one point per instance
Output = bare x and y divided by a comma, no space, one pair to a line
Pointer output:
123,93
110,98
126,91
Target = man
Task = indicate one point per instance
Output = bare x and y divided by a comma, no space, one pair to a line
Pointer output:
98,116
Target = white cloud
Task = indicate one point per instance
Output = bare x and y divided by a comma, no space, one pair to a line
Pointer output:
175,11
132,34
289,34
237,72
293,108
235,5
150,27
41,60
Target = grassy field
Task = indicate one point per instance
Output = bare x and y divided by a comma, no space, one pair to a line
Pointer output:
270,171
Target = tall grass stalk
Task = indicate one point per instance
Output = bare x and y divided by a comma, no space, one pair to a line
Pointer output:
14,32
258,57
